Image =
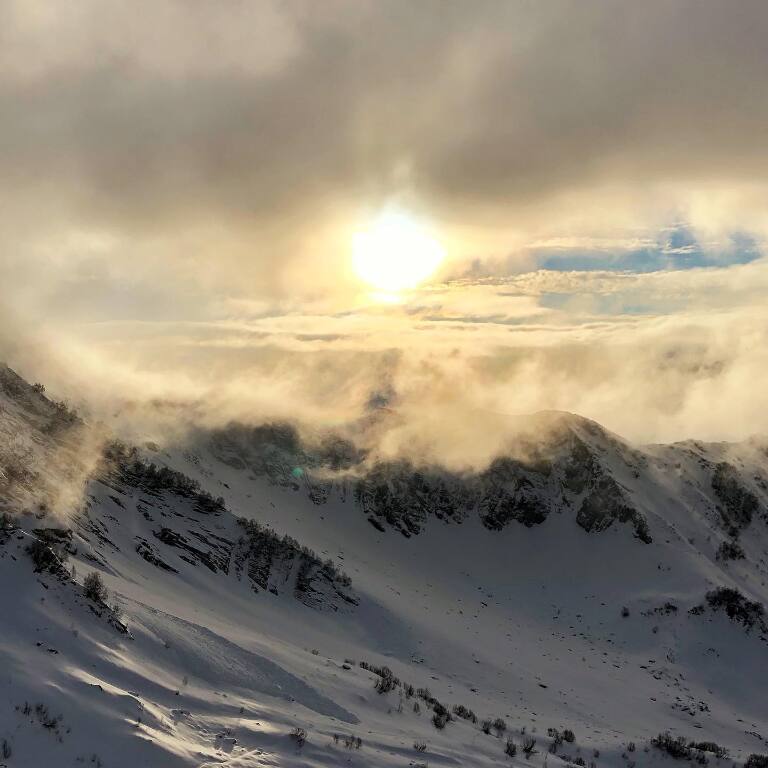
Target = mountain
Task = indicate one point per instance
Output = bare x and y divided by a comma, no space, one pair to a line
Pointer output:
290,600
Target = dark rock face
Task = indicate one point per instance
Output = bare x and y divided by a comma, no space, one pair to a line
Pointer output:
277,451
405,497
508,491
581,468
561,472
150,554
516,500
604,504
213,559
739,504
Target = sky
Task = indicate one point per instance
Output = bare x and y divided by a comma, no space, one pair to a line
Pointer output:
181,184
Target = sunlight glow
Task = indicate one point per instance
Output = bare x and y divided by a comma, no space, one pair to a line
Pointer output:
396,252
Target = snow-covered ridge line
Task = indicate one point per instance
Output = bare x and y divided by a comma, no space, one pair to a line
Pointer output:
559,463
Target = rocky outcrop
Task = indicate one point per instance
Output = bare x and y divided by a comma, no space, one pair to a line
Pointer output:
560,470
738,503
604,504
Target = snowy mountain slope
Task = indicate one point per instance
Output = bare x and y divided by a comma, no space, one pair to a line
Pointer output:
174,527
510,615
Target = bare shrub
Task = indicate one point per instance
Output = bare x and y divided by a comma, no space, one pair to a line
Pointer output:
94,589
353,742
299,735
529,746
676,748
465,713
557,739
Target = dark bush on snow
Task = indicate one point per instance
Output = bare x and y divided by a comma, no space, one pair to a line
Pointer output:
94,589
387,681
553,733
730,550
41,712
156,479
441,711
353,742
756,761
42,556
736,606
263,537
463,712
499,725
675,747
529,746
299,735
665,609
47,555
711,746
682,749
385,684
6,522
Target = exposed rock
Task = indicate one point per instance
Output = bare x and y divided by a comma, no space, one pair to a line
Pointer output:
739,504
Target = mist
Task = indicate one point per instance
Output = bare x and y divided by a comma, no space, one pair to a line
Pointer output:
181,185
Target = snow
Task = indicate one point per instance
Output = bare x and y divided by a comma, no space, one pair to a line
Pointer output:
521,623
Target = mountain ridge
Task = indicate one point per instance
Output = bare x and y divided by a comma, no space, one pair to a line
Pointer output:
207,547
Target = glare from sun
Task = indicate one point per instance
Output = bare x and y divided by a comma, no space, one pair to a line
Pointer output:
396,252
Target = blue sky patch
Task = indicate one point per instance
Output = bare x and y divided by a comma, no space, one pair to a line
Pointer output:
676,249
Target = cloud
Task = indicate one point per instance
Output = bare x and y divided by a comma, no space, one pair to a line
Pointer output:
242,142
459,361
181,181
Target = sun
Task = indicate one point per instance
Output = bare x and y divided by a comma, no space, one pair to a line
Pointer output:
396,252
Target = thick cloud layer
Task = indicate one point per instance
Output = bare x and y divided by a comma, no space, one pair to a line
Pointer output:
180,181
244,137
